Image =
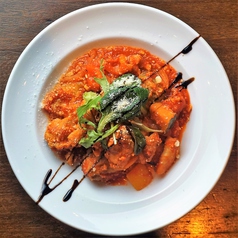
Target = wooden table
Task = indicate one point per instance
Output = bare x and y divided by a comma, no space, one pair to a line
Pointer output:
216,21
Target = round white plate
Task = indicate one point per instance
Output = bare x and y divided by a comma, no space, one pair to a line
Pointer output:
119,210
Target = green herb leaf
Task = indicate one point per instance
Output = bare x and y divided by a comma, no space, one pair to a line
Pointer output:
102,81
88,96
109,132
131,114
91,101
122,103
93,136
85,121
106,118
138,138
112,95
137,97
90,139
143,93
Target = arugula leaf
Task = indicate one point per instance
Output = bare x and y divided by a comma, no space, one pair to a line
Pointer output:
90,139
102,81
91,101
93,136
88,96
83,120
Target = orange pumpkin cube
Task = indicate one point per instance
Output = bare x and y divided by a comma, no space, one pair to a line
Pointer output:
140,176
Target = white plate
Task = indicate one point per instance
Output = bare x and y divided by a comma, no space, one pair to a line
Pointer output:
206,144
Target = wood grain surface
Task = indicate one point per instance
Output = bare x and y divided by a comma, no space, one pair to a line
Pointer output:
216,20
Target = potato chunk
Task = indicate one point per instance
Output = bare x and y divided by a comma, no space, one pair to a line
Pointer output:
168,156
140,176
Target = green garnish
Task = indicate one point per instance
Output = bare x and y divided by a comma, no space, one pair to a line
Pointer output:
122,101
139,139
91,101
102,81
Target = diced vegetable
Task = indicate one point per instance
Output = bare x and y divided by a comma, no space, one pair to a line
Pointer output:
140,176
162,115
168,156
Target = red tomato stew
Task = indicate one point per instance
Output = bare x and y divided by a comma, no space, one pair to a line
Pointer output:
120,113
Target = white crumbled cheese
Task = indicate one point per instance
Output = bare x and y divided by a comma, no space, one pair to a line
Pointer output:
177,143
42,105
158,79
125,81
122,103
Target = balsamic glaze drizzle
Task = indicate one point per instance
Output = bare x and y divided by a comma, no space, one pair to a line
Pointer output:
45,186
185,50
45,189
185,84
76,183
177,79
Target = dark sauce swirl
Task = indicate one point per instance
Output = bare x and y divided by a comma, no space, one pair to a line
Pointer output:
185,50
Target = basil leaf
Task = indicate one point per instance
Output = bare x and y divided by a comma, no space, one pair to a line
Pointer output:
122,101
138,96
125,103
118,87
